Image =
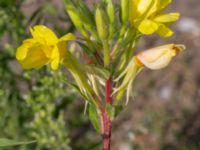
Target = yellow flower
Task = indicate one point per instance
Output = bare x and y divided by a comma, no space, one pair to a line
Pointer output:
44,48
159,57
147,17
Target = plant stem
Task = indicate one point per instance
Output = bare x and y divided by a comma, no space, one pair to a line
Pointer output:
107,123
108,91
107,127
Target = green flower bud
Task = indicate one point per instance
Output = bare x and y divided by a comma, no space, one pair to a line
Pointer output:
125,10
102,24
74,16
110,11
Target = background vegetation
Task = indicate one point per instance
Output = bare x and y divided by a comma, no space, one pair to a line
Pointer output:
38,105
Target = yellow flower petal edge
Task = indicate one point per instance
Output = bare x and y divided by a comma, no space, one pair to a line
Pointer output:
159,57
42,33
164,31
44,48
167,18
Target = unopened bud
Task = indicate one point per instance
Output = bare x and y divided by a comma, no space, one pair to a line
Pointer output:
101,24
74,16
124,10
110,11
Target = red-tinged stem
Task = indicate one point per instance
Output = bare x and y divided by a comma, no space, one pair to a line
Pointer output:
107,123
107,127
108,91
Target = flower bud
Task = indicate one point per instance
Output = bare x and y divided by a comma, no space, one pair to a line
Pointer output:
102,24
110,11
124,10
74,16
159,57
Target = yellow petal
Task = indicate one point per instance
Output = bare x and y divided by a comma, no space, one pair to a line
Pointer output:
62,50
159,57
47,50
167,18
61,45
23,49
164,31
147,26
133,12
55,58
67,37
44,35
35,58
144,5
153,8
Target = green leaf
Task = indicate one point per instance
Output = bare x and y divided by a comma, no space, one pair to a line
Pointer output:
113,110
86,49
7,142
118,109
99,71
76,88
94,118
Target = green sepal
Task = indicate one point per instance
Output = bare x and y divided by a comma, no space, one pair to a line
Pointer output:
8,142
95,117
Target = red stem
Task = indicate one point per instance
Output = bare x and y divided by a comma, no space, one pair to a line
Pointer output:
107,123
108,91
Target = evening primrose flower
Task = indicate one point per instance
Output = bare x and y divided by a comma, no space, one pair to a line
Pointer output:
159,57
147,16
154,59
44,48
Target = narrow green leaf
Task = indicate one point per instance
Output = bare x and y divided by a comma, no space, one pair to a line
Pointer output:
99,71
94,118
7,142
76,88
111,111
118,109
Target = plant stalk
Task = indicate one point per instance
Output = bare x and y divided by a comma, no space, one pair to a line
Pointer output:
107,123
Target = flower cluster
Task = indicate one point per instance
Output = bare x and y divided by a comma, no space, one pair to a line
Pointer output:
108,40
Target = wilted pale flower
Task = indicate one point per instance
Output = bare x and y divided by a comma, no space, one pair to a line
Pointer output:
147,16
44,48
159,57
155,58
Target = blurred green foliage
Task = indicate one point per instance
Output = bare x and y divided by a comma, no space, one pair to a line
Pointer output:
32,104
